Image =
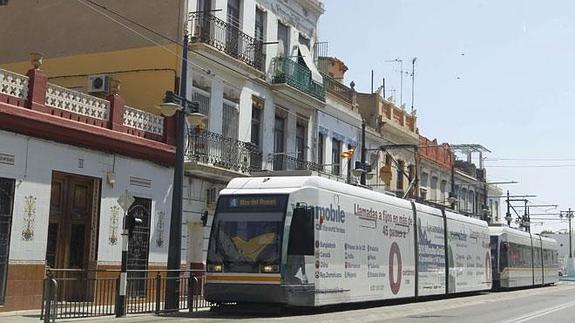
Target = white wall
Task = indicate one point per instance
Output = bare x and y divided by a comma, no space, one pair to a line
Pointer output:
36,159
346,127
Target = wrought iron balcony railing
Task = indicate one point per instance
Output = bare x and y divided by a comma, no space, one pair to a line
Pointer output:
296,75
214,149
228,38
284,162
281,161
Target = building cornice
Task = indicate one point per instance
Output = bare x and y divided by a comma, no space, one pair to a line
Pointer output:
314,5
41,125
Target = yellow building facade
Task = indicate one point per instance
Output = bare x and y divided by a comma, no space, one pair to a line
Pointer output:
144,81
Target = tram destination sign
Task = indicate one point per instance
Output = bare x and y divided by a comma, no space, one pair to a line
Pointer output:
253,202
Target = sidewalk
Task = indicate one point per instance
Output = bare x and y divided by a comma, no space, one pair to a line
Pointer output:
33,316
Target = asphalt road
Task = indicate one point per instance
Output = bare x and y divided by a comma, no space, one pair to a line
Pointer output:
547,304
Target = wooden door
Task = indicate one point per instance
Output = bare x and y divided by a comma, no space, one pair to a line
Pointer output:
6,208
69,230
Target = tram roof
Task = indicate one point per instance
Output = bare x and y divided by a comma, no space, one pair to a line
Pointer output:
497,230
290,184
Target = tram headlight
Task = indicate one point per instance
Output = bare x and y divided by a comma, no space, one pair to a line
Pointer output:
215,268
270,268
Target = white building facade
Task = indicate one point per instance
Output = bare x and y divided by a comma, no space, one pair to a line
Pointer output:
254,76
65,159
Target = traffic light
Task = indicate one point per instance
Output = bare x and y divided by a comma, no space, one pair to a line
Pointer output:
347,153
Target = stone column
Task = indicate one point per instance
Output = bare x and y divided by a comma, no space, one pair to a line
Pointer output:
116,117
37,84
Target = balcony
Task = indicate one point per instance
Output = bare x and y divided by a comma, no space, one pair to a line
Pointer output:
227,38
212,154
284,162
31,105
287,71
338,90
281,161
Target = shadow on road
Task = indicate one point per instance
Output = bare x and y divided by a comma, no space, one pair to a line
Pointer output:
249,312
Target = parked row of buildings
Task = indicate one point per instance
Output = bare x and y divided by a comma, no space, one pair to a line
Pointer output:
72,139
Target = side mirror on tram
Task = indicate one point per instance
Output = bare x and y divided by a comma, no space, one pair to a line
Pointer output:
301,237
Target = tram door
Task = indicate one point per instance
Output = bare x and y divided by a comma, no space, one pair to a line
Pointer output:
138,248
6,207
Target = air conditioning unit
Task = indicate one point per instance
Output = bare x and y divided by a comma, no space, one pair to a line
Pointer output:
98,83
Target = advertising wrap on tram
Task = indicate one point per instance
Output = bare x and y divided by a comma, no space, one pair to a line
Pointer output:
364,249
431,251
310,241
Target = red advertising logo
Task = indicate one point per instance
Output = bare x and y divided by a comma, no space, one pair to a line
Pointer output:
394,281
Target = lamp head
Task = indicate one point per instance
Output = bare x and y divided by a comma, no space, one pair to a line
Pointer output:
169,109
196,118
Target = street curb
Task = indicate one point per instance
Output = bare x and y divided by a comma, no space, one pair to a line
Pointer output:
20,313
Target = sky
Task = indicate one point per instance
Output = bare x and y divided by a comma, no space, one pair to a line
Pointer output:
490,72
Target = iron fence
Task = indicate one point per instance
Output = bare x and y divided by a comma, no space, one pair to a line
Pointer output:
228,38
212,148
70,293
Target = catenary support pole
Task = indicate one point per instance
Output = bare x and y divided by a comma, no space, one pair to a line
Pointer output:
363,177
570,215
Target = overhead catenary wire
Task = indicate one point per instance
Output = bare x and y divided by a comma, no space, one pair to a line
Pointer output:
94,3
530,166
496,159
94,7
88,5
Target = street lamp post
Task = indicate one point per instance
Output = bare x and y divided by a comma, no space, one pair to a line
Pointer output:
182,108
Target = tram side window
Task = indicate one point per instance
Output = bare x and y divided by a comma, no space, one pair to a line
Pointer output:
301,231
518,256
548,257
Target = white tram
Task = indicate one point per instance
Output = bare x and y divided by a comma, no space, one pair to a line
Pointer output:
310,241
520,259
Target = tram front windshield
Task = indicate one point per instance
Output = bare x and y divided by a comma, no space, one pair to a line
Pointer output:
246,233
